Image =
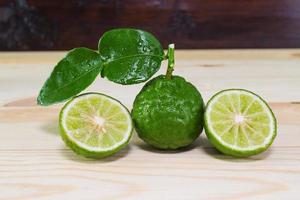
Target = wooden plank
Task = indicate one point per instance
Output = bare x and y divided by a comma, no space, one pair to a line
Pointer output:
35,163
33,120
210,71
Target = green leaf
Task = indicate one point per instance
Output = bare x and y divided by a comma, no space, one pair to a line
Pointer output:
70,76
131,56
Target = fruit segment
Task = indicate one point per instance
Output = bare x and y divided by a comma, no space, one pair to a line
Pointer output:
95,124
239,122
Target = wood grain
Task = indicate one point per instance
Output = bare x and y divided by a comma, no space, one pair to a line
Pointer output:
36,25
35,163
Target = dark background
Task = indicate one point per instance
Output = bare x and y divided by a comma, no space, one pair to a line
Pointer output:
64,24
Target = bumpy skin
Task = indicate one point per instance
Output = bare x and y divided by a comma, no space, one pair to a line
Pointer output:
168,114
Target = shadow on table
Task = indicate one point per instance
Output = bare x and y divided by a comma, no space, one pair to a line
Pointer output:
52,128
70,155
206,147
144,146
203,145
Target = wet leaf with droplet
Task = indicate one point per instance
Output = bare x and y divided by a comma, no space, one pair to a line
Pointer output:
70,76
131,56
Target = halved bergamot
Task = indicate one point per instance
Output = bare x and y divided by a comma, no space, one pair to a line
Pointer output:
95,125
239,123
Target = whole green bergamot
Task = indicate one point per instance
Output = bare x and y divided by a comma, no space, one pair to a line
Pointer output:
168,112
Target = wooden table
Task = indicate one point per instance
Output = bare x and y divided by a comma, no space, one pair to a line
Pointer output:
36,164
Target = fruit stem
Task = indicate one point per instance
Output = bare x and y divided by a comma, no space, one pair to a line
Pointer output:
171,61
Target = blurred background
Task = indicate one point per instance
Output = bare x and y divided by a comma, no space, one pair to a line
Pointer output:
65,24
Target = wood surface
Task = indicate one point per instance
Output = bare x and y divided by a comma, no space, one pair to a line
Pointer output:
56,24
36,164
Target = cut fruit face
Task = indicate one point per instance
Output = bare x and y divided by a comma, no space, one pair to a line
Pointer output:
239,122
95,125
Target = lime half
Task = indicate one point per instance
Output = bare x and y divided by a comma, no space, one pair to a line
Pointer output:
239,123
95,125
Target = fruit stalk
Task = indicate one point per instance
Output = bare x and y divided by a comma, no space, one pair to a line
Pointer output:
171,61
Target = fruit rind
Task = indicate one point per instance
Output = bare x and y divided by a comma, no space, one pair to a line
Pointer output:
226,149
80,150
168,114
